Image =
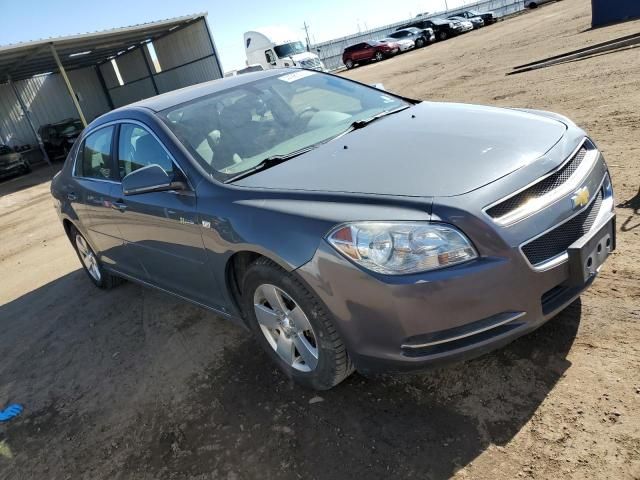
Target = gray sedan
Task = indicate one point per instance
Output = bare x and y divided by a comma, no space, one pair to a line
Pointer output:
346,227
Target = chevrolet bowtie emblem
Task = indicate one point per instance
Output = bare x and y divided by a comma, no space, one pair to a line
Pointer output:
580,198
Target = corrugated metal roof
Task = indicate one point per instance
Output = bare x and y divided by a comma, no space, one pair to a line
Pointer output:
24,60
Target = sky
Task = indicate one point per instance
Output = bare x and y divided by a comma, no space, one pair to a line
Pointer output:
26,20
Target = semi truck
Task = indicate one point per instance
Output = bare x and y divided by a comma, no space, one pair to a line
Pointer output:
277,47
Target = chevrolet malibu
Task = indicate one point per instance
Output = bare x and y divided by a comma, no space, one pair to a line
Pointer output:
348,228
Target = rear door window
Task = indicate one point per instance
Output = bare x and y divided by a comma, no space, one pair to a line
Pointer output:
95,155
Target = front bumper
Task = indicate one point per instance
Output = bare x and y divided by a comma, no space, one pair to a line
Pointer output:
12,169
399,323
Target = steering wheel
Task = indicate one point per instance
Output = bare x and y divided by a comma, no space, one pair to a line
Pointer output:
307,110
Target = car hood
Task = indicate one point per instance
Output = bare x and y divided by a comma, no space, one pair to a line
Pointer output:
430,149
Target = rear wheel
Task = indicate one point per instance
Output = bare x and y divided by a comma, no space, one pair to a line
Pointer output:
98,275
293,327
443,36
349,64
420,43
533,5
379,56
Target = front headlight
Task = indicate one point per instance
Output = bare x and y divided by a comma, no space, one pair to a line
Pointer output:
400,248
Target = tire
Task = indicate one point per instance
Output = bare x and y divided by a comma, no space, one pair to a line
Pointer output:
93,268
349,64
533,5
379,56
420,43
297,329
26,168
442,36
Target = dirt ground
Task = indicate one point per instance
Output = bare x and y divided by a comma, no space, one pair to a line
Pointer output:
132,383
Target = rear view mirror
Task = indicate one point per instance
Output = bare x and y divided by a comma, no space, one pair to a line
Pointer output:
151,178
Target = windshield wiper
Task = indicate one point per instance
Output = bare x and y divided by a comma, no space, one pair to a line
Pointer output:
269,162
358,124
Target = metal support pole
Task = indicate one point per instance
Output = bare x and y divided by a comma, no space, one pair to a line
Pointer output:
28,117
146,62
306,31
68,83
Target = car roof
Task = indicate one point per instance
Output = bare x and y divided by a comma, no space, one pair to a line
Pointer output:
183,95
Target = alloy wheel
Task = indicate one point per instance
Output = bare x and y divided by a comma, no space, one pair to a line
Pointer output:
286,327
88,258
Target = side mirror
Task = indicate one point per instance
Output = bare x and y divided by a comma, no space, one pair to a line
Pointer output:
379,86
151,178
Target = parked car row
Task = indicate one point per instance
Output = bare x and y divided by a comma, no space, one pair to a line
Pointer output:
419,33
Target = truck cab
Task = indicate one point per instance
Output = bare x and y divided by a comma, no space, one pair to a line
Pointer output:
278,48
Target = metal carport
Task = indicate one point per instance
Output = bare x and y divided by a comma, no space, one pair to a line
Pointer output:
85,75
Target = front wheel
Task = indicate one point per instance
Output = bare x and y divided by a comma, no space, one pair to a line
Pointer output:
443,36
293,327
379,56
349,64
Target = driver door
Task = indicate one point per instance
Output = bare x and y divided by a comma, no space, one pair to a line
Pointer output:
162,229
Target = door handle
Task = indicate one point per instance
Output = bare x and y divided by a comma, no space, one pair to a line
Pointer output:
120,206
72,197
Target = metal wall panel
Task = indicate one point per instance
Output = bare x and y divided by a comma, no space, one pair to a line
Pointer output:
184,46
47,99
330,52
14,129
132,92
131,66
91,96
109,75
187,56
196,72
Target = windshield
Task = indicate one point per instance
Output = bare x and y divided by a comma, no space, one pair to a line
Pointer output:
234,130
289,49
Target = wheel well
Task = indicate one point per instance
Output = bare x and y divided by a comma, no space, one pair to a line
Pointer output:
67,227
236,268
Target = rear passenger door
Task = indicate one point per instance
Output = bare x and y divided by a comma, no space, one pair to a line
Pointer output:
95,177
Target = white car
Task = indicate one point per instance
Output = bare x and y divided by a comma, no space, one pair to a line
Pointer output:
404,44
466,25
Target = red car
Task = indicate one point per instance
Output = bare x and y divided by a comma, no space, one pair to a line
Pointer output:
367,52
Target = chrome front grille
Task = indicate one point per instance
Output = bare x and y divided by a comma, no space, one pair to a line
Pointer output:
547,190
312,63
556,241
539,189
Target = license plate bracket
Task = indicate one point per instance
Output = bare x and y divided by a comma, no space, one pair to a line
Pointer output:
587,255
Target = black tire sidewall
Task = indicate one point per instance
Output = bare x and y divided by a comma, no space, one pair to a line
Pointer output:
322,377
